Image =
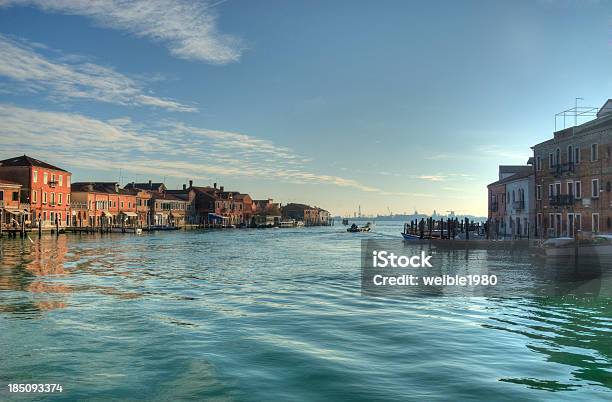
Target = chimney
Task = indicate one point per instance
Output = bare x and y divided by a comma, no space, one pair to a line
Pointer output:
215,185
116,187
184,187
221,188
190,183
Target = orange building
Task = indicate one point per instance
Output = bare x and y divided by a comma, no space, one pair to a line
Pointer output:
45,189
11,212
103,204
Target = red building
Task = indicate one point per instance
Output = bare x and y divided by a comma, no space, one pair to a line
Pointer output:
45,189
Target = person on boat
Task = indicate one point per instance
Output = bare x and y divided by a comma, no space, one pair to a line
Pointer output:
353,227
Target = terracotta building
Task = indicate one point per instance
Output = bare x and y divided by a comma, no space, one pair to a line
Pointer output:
45,189
573,179
11,213
103,204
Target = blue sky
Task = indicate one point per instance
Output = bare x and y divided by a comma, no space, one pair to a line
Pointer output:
393,104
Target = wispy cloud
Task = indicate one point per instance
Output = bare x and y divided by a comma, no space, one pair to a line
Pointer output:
187,28
167,148
71,77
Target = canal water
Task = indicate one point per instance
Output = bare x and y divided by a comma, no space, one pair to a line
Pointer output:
275,314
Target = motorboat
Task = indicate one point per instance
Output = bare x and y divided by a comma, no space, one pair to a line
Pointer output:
596,245
356,229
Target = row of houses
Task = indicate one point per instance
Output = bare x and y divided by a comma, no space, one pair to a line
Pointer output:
565,189
37,194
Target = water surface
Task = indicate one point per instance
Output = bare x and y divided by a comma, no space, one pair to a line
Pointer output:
275,314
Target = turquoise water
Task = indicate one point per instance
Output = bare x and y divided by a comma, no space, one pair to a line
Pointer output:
274,314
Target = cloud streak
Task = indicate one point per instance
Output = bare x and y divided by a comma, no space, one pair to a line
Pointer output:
187,28
27,69
167,148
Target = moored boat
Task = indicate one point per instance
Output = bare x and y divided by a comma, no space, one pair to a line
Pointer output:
356,229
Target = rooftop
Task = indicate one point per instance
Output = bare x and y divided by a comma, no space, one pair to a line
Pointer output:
28,161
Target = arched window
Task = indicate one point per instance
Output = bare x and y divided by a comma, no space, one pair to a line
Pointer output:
558,157
570,153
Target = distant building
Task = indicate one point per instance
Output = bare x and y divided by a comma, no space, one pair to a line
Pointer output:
311,216
103,204
45,189
573,179
511,204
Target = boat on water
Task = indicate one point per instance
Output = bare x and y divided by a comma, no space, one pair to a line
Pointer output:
345,221
409,236
597,245
290,223
356,229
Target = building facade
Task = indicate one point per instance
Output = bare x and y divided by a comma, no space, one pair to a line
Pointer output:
103,205
573,178
45,189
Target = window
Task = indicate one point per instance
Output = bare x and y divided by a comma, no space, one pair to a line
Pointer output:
52,198
15,195
557,188
538,163
52,177
121,204
550,161
35,176
570,154
67,181
578,189
577,155
539,192
67,198
550,191
594,153
577,222
59,198
60,180
595,223
34,197
595,188
44,198
45,178
558,157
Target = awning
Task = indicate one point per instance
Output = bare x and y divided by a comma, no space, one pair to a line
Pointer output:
106,213
133,214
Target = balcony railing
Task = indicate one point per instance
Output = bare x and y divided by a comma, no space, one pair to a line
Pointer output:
562,200
559,169
518,205
52,183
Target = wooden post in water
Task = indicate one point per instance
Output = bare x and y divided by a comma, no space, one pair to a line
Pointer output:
467,229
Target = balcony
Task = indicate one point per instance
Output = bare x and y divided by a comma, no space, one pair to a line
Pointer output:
53,183
560,169
562,200
518,205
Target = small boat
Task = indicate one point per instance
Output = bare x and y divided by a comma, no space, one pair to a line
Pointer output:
409,236
288,223
356,229
138,231
345,221
598,245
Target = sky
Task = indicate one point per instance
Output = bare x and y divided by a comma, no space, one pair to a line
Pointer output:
391,106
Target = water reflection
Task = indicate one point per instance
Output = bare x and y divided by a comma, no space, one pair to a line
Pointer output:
568,331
